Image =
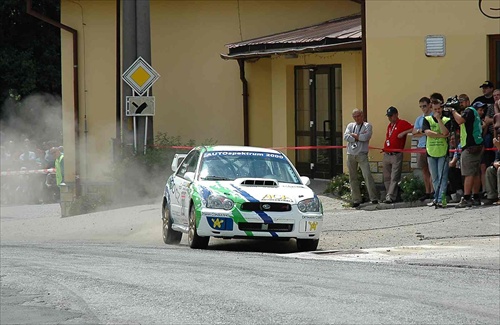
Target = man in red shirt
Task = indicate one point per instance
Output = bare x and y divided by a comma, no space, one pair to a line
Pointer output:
395,140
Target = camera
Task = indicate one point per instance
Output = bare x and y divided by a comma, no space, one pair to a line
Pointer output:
452,102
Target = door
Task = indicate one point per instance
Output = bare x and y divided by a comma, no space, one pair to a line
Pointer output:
179,198
318,120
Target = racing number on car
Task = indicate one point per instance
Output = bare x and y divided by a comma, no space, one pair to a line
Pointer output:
311,225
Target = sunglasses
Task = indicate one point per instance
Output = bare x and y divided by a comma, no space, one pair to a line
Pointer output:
435,102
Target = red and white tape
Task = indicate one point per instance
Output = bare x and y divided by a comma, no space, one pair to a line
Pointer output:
28,172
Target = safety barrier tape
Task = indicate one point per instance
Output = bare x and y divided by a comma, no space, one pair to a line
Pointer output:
28,172
414,150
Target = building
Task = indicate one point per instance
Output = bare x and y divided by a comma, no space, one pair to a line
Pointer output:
302,66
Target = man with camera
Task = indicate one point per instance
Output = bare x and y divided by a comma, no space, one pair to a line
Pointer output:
472,148
358,134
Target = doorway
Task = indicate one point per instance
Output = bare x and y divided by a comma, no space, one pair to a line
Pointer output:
318,120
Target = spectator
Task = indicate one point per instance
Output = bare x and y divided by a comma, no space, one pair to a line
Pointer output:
496,117
425,105
28,157
395,140
358,135
488,155
437,130
493,178
487,97
59,164
455,184
472,149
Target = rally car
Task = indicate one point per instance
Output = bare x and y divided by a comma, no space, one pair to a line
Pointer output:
239,192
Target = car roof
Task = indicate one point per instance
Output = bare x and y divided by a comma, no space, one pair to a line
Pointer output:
241,148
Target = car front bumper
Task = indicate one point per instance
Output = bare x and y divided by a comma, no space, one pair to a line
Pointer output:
236,223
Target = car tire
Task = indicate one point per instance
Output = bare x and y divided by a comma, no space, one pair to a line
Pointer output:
194,240
170,236
306,245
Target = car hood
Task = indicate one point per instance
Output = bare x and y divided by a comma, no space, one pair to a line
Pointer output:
255,190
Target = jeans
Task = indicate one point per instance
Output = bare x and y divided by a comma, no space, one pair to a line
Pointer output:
439,167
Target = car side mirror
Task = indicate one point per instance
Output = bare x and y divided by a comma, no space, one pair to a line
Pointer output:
189,176
305,180
177,161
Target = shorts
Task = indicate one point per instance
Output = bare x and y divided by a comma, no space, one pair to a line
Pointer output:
470,161
422,160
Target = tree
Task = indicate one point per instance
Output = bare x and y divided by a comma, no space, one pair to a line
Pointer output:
30,71
30,51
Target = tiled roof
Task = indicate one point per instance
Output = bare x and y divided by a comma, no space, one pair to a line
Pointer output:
337,34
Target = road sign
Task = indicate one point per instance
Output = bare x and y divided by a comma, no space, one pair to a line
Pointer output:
140,76
140,105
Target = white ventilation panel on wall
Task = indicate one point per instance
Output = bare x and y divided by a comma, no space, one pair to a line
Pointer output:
435,45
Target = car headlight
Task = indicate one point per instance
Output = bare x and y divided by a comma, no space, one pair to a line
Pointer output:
309,205
219,202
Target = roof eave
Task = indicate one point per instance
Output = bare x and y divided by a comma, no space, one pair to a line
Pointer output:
345,46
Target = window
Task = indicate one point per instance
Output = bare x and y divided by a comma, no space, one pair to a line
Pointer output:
494,54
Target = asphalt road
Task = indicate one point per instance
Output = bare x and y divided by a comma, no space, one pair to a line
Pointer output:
395,266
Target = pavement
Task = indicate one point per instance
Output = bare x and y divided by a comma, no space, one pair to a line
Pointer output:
398,233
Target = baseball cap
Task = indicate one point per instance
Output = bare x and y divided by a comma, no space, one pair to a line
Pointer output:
487,83
478,104
391,111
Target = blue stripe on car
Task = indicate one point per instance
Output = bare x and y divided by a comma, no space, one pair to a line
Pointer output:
262,214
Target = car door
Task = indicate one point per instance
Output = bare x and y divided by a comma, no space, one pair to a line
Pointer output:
180,190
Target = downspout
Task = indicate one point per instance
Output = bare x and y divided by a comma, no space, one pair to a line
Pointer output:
244,81
363,54
30,11
118,74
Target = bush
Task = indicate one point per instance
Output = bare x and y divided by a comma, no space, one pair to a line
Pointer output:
412,188
341,188
141,177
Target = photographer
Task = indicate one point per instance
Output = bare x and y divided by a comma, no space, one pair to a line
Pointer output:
472,148
437,130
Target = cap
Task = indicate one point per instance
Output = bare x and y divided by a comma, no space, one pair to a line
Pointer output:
478,104
391,111
488,84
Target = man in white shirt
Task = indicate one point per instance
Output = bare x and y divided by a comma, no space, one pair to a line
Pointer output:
357,135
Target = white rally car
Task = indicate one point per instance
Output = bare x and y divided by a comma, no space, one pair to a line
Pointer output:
239,192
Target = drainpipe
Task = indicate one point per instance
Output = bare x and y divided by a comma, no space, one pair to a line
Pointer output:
244,81
30,11
118,81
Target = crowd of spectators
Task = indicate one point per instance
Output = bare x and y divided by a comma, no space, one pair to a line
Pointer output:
20,158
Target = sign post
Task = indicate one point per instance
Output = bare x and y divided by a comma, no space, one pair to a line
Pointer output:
140,76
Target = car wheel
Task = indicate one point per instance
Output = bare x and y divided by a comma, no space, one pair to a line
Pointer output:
306,245
170,236
194,240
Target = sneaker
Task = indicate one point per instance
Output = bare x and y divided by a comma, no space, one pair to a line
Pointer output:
489,201
432,204
476,202
388,201
424,197
374,201
463,203
356,204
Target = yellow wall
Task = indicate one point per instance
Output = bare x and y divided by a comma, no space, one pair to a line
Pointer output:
95,23
272,97
399,73
198,95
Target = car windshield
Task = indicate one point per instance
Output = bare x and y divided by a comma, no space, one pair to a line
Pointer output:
229,165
